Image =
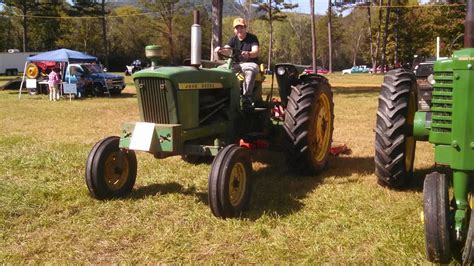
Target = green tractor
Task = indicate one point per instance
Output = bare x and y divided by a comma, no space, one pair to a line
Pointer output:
448,125
196,112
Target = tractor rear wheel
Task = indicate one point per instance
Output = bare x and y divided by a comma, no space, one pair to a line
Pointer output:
468,253
229,182
32,71
309,124
110,171
394,141
436,218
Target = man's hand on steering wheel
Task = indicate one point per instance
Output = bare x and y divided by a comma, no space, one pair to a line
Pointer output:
227,50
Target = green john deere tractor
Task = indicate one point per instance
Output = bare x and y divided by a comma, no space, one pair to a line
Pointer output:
196,112
448,124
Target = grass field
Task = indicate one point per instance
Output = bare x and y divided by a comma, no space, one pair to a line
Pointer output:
339,216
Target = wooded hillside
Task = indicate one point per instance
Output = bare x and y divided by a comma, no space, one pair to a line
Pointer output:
122,31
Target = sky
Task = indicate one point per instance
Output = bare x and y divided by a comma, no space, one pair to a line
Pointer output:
321,6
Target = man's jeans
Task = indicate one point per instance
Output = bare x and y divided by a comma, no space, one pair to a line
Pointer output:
250,71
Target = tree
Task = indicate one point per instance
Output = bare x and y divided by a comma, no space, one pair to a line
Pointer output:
95,8
23,8
166,11
301,40
329,13
9,32
124,50
46,25
245,9
385,35
272,10
216,25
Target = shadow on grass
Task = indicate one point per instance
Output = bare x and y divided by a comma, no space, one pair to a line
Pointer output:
122,95
168,188
416,183
66,96
278,191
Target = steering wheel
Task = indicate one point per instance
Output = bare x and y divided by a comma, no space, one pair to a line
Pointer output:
235,53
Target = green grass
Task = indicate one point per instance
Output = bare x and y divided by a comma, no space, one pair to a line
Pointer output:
339,216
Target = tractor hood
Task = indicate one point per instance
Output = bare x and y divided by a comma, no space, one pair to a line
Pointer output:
191,75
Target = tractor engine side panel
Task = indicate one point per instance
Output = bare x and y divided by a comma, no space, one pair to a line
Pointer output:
452,128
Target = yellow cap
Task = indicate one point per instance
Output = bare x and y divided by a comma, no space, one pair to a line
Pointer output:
239,22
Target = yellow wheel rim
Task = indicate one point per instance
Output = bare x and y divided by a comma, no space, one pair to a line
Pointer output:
32,71
320,133
237,184
116,170
410,140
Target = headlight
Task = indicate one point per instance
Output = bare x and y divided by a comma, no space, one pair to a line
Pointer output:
281,70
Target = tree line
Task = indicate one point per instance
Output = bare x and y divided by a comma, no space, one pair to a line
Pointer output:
368,32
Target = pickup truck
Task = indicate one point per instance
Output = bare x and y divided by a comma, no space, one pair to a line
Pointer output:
91,79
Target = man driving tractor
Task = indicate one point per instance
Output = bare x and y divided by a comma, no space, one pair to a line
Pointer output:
246,62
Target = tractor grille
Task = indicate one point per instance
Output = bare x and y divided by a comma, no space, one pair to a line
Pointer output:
154,105
442,102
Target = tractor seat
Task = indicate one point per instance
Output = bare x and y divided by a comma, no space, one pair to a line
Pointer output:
260,77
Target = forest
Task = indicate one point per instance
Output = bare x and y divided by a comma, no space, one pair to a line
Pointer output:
362,33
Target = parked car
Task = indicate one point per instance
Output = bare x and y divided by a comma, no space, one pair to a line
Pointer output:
356,69
379,69
319,70
93,80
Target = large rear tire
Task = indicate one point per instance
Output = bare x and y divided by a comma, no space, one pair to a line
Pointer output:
436,218
309,124
394,141
110,171
230,182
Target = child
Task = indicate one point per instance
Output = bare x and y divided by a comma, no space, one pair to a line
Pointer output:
53,82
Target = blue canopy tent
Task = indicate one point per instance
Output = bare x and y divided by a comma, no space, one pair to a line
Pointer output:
63,56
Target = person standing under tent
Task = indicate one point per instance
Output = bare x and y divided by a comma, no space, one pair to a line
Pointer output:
53,82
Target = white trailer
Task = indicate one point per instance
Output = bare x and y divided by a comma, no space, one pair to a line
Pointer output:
13,63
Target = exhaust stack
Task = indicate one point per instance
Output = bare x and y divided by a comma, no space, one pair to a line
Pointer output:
196,41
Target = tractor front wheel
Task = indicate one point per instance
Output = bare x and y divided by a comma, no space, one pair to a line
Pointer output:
394,141
110,171
309,124
229,182
436,218
468,253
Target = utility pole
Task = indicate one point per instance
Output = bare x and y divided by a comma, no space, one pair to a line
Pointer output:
104,34
329,35
270,44
313,34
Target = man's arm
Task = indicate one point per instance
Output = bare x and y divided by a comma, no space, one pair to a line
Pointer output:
251,54
223,50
